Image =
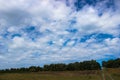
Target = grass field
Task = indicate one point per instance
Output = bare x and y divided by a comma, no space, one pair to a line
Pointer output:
112,74
109,74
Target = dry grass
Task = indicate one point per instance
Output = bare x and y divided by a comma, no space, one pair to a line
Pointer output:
65,75
112,74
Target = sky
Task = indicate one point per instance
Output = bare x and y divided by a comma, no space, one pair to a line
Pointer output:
38,32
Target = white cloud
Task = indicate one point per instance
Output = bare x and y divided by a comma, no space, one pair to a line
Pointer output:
51,20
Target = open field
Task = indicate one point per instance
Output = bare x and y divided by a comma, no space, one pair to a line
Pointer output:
112,74
109,74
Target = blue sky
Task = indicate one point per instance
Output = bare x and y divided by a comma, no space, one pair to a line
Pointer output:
38,32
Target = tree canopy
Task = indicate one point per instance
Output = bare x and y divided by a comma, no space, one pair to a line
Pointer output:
76,66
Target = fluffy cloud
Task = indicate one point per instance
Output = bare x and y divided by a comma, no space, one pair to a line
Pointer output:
46,31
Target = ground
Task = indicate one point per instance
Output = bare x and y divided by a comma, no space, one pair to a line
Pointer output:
106,74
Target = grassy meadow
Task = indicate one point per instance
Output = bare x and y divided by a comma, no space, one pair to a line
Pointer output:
109,74
112,74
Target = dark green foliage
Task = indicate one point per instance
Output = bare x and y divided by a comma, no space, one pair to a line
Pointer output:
111,63
34,69
30,69
85,65
55,67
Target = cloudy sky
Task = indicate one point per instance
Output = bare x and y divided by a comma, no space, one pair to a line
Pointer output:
38,32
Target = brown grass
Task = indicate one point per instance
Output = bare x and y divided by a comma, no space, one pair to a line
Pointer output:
63,75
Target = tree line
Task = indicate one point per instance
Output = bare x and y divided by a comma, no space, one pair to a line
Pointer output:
76,66
85,65
111,63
